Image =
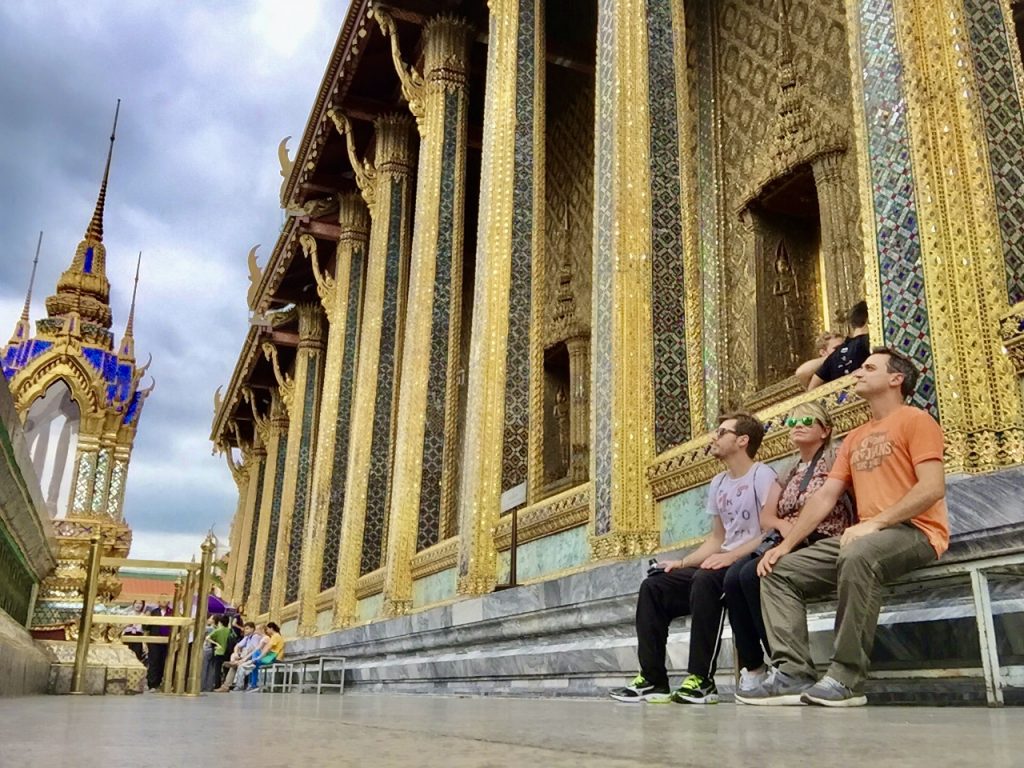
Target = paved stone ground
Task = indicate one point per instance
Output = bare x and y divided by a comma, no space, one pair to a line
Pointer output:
379,731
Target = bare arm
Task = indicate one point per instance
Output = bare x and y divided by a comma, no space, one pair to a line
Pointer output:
770,513
929,488
711,545
816,381
807,370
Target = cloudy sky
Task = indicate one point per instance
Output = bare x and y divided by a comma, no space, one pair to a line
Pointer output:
208,90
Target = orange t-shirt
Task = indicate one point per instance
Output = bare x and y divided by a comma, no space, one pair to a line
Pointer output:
878,460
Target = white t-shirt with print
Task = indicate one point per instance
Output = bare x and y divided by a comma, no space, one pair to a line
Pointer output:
738,501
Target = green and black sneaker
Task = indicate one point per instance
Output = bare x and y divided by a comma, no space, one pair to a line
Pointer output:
696,690
640,690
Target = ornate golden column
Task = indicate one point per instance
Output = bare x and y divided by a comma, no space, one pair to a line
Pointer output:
623,520
497,435
843,275
386,186
962,261
422,487
273,431
244,548
340,298
303,405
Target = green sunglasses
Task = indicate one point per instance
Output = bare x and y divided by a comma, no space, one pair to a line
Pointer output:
802,421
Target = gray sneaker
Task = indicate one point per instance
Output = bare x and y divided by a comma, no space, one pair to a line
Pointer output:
779,690
829,692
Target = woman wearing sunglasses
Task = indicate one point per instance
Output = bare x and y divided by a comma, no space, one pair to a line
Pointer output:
811,433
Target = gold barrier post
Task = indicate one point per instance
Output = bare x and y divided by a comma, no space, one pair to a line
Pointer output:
182,655
196,657
85,623
172,642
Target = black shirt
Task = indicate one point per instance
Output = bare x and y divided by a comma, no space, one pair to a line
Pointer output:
846,358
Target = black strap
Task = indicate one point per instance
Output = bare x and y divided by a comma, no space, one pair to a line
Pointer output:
809,472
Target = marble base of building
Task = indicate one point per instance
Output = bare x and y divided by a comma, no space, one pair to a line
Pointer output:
24,668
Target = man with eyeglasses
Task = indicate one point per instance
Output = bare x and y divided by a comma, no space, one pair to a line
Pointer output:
893,464
694,586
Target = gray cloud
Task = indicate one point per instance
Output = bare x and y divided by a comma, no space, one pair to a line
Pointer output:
208,91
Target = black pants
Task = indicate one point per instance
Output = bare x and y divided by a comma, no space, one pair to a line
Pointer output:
665,596
157,657
743,602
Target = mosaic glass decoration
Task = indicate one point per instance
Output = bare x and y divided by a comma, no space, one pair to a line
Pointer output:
707,196
374,530
85,471
604,265
99,493
437,375
250,558
280,464
671,401
904,308
517,356
991,50
116,488
339,469
302,478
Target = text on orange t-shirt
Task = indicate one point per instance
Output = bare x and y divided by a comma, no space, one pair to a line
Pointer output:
879,458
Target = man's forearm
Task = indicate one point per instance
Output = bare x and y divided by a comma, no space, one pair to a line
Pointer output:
700,554
917,500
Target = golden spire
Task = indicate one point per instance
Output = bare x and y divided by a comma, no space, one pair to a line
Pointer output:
83,288
127,351
95,230
23,330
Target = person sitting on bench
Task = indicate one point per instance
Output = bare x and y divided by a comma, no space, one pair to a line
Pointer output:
894,465
694,585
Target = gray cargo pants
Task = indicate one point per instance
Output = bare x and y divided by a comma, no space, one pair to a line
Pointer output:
857,573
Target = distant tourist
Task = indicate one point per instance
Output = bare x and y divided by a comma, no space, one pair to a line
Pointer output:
216,651
848,356
694,585
135,630
156,653
270,650
824,345
244,649
893,464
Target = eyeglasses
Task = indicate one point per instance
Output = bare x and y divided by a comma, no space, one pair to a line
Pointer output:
722,431
801,421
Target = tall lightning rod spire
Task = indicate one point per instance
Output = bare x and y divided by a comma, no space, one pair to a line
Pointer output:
127,350
95,230
31,281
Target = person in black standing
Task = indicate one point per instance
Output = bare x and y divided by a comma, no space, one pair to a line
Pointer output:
851,354
157,652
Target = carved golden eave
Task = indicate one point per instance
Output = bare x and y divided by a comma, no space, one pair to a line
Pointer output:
413,85
345,57
325,284
1011,331
440,557
364,171
691,464
255,275
284,380
219,431
287,164
277,265
568,509
370,584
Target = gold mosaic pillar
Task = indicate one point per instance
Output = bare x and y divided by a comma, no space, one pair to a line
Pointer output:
273,430
495,445
245,544
578,348
961,249
386,186
428,401
303,403
240,474
340,298
623,519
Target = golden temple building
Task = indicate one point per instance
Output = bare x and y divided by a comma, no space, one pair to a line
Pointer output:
534,248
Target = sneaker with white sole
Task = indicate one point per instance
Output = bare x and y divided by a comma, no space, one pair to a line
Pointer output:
696,690
778,690
640,690
752,680
829,692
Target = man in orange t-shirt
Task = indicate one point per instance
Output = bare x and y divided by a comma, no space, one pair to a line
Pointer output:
893,464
